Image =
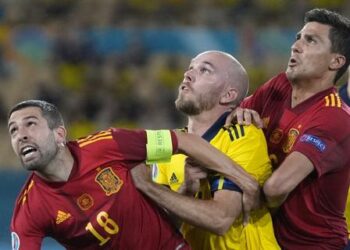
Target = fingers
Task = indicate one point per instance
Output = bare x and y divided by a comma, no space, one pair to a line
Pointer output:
231,117
240,116
257,120
246,215
244,117
195,173
247,117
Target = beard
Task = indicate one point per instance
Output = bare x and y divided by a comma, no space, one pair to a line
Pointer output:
43,158
195,106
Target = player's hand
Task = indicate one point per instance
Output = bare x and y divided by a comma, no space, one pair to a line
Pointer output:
250,201
244,117
193,174
141,175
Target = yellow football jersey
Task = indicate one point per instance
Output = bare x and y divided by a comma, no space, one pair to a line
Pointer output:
347,213
246,145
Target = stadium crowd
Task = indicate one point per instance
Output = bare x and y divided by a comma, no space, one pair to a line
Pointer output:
89,58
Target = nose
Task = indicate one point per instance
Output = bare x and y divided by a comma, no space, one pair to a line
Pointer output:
22,135
296,47
189,76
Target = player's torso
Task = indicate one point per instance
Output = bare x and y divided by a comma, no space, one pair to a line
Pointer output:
98,208
93,210
284,125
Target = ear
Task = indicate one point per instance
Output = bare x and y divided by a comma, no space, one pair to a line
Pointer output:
229,96
60,134
337,62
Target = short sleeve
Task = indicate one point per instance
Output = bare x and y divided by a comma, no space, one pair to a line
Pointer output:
326,143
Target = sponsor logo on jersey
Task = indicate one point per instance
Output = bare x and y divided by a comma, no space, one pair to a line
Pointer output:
109,181
315,141
15,242
292,136
173,179
85,202
276,136
62,216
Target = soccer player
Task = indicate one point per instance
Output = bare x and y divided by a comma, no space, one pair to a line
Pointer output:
344,91
307,127
81,192
214,83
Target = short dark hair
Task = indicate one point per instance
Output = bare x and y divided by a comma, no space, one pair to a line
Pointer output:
48,110
339,34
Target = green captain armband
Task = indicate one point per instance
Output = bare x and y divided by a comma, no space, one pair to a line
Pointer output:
159,146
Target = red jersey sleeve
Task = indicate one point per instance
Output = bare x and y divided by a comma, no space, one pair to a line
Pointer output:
123,145
26,232
133,142
25,240
325,143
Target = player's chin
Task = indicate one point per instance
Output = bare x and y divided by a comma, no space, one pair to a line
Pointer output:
30,165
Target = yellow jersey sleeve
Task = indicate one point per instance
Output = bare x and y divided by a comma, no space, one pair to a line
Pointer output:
246,145
171,174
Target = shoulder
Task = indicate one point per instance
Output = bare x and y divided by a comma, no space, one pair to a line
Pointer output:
239,132
97,139
331,118
333,110
29,209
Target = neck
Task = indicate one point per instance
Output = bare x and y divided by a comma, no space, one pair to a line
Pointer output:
60,168
199,124
301,91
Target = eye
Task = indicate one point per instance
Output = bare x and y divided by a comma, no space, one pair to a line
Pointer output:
31,123
204,70
310,40
12,130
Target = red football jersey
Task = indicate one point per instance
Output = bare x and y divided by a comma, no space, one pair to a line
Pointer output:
312,217
99,206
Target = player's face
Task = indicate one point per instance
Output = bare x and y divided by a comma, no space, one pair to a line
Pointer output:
203,84
32,139
311,53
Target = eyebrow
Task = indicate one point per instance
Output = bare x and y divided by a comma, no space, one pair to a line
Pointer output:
209,63
311,34
206,63
25,118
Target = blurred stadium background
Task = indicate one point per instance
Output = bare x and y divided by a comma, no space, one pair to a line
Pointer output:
118,63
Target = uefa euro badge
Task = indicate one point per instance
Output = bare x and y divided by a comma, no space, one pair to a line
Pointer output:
292,136
15,242
109,181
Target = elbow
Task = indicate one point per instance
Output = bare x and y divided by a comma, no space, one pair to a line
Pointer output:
272,188
221,225
221,230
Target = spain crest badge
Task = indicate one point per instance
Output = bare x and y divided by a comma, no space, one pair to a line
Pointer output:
109,181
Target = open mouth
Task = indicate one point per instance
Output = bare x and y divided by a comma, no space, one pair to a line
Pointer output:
292,62
28,151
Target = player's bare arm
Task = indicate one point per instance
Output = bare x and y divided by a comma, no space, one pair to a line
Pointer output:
215,215
295,168
211,158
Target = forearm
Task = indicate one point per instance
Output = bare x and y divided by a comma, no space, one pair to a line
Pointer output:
275,201
213,159
293,170
205,214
